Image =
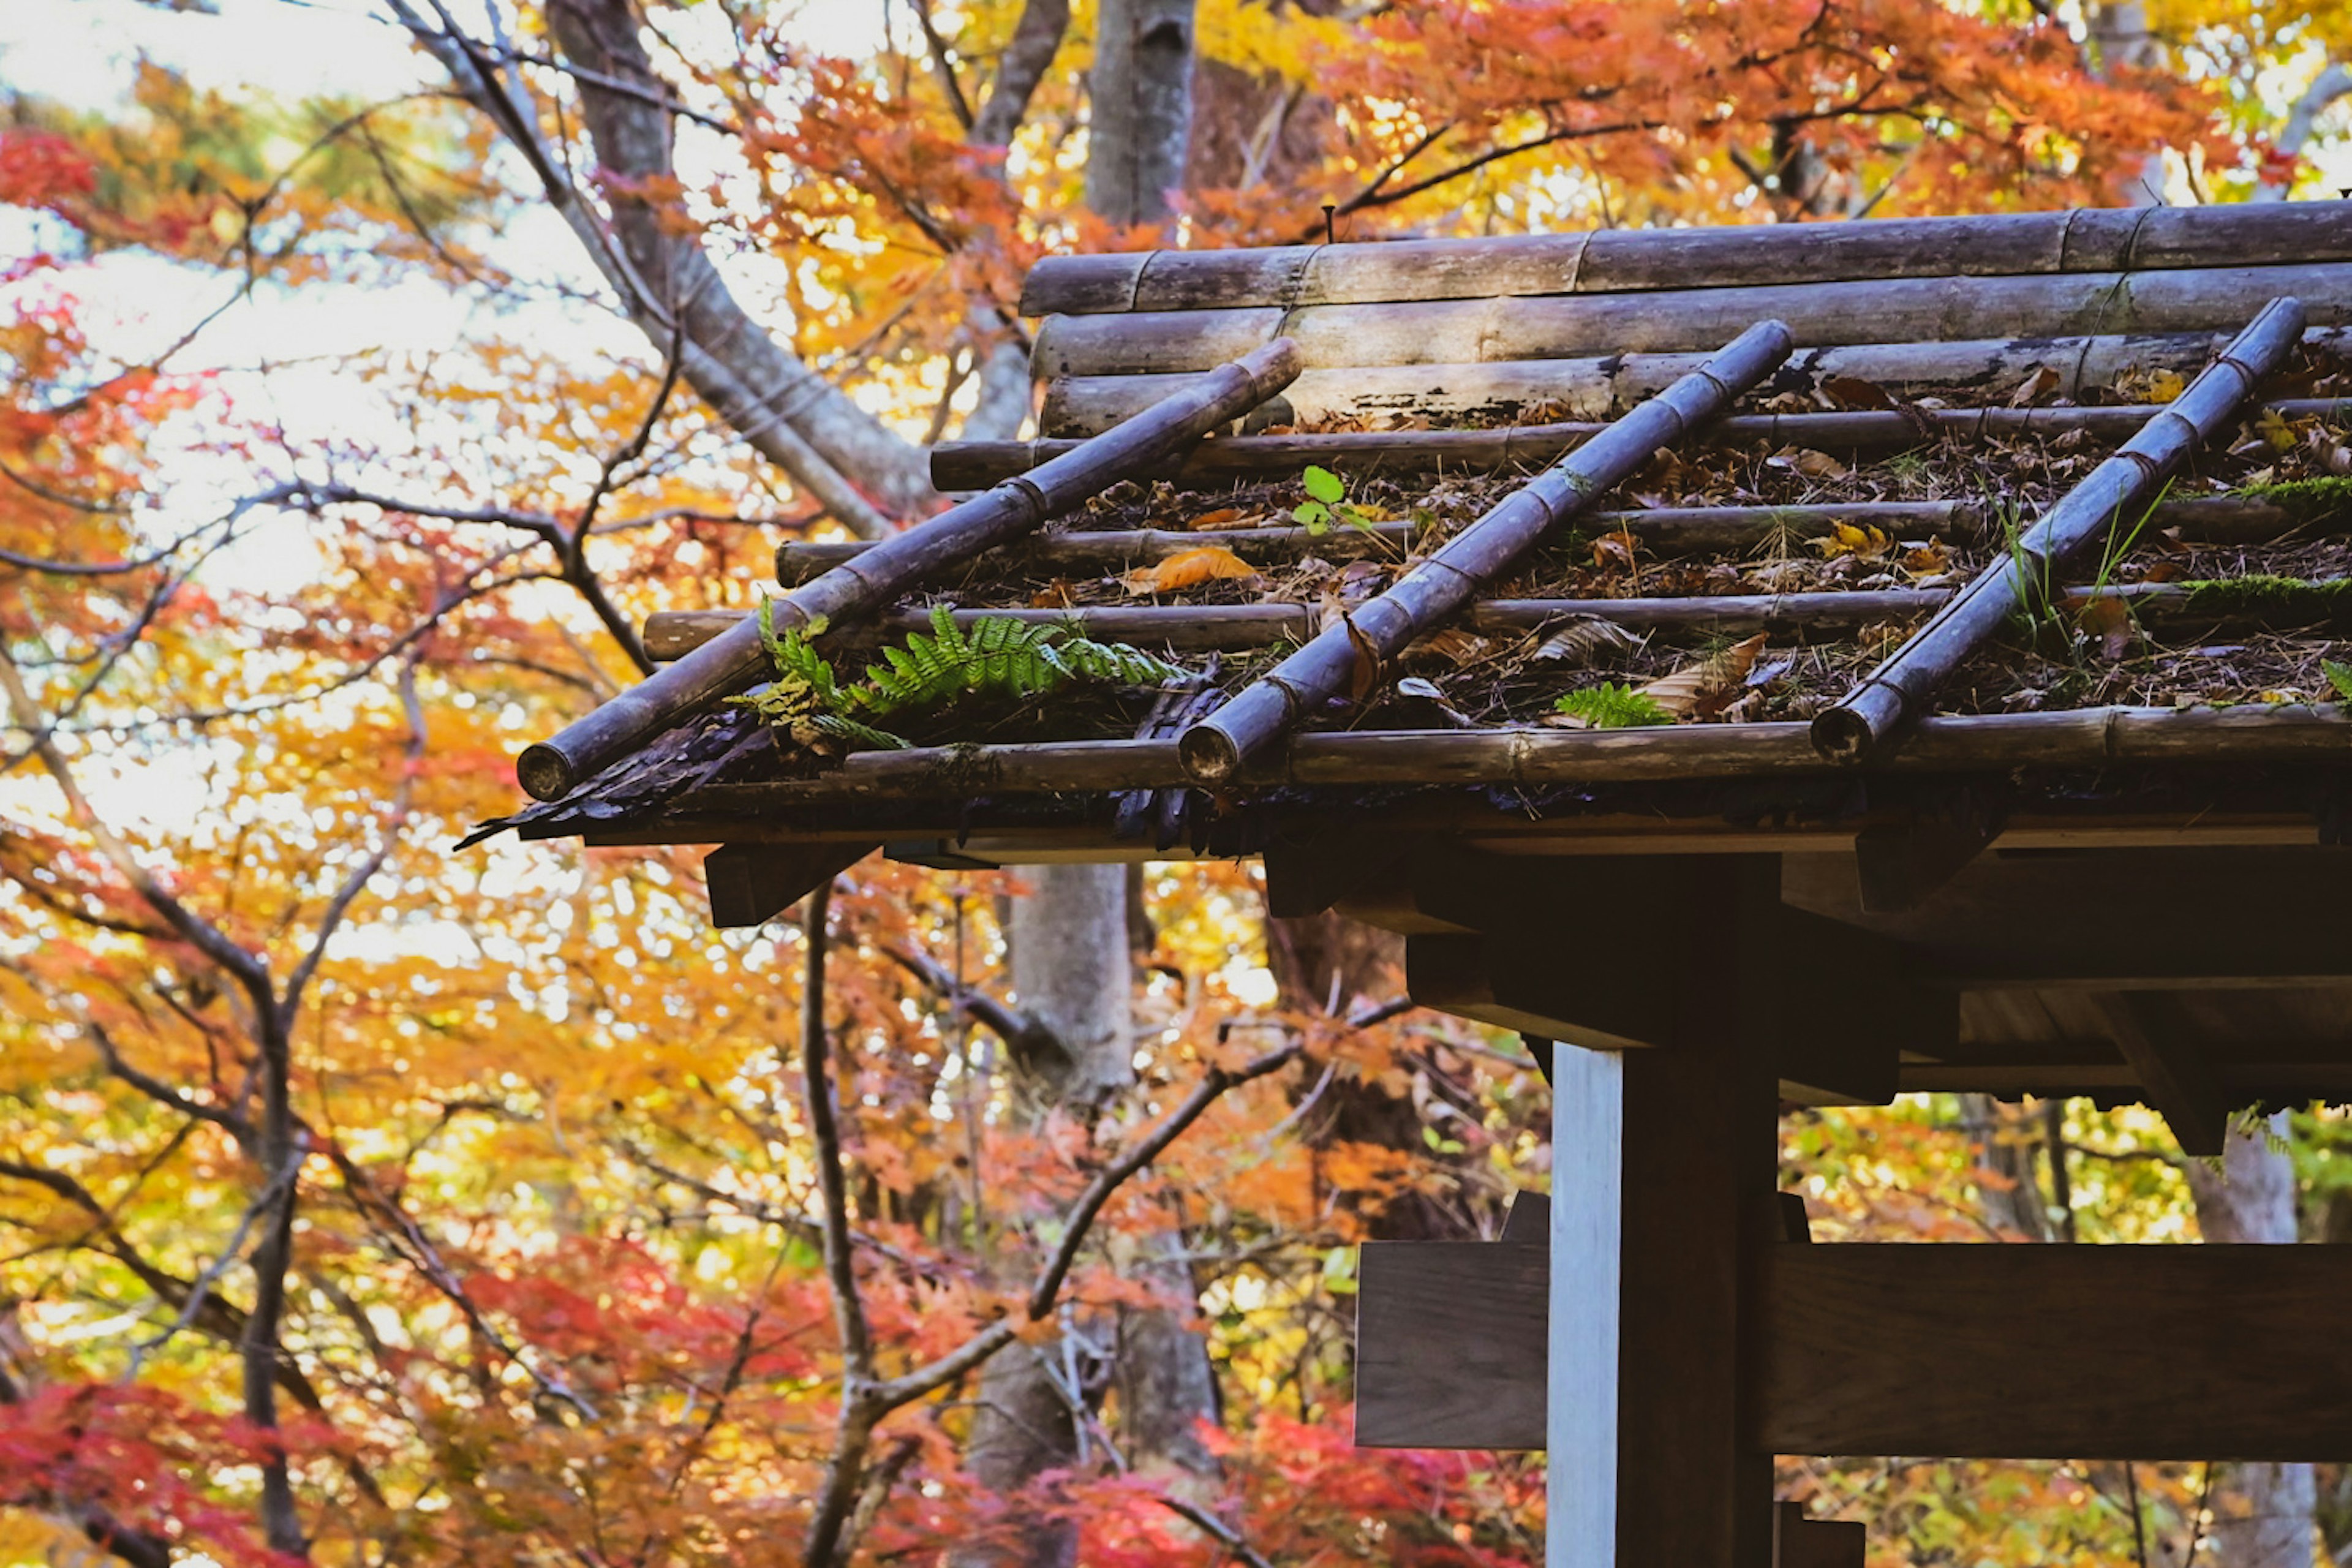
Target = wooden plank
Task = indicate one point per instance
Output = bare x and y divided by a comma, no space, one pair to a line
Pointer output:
2055,1352
1581,1414
1450,1344
751,884
1903,865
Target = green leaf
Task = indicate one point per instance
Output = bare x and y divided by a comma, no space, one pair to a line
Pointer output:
1609,706
1324,485
2340,676
1314,514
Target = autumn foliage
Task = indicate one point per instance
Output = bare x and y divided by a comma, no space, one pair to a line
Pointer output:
365,1201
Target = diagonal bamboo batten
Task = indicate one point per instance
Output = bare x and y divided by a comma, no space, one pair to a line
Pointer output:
971,465
858,588
1443,582
2125,484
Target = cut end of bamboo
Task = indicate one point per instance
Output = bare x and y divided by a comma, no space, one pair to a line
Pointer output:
544,772
1842,736
1208,754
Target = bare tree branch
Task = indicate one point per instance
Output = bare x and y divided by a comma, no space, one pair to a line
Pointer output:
1036,39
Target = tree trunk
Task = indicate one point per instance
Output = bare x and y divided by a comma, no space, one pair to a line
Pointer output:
1141,114
2262,1512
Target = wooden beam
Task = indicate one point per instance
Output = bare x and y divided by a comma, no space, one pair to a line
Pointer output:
2180,1082
751,884
2051,1352
2109,919
1959,1352
1574,950
1450,1344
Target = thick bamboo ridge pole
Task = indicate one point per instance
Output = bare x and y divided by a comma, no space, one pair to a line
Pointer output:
2081,737
974,465
2084,240
1239,629
1021,503
1984,370
2111,497
1874,311
1667,530
1443,581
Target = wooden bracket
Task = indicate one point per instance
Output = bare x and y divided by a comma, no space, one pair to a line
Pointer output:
1307,872
1452,1343
1801,1542
1528,1223
2178,1081
751,884
1903,864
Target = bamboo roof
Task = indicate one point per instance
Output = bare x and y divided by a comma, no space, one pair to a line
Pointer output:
1946,380
1872,544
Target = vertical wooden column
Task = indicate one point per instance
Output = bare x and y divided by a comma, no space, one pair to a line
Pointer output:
1580,1396
1656,1429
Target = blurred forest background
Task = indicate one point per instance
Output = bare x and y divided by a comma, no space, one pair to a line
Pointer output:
374,366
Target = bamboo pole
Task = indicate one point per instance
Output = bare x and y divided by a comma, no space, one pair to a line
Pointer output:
1442,582
2075,739
2094,240
729,662
1872,311
2124,484
1975,370
1238,628
972,465
1666,531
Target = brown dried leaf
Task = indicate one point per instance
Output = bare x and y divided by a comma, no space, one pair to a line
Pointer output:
2109,618
1188,569
1703,688
1223,517
1617,548
1058,595
1584,640
1853,392
2039,385
1813,464
1364,675
1450,645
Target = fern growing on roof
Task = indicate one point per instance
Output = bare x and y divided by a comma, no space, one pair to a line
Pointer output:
996,657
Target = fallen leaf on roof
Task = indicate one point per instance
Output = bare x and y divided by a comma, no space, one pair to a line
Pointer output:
1451,644
1853,392
1616,549
1847,539
1584,641
2039,385
1813,464
1225,517
1188,569
1703,688
1058,595
2108,619
1928,558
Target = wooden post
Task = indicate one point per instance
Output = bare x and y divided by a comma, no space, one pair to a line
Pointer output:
1649,1461
1581,1412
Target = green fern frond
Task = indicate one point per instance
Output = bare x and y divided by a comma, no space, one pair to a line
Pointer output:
2340,676
832,726
1114,664
1609,706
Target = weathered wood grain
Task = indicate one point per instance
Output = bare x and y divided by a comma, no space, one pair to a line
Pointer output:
2102,240
1875,310
1450,1344
1973,370
2057,1352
